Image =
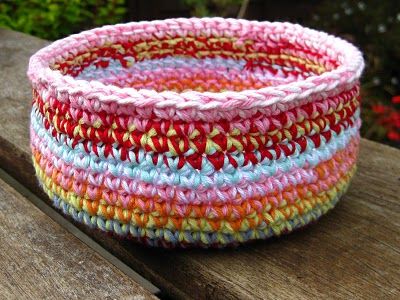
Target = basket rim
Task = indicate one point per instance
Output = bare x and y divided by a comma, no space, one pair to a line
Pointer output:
347,73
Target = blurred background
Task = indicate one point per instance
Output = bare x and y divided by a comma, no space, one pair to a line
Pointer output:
373,25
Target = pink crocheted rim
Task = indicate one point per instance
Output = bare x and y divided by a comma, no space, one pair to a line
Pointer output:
349,58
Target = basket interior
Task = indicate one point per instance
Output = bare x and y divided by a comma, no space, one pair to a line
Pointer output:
196,63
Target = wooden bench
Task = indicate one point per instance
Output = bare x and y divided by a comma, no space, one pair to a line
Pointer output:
353,252
39,259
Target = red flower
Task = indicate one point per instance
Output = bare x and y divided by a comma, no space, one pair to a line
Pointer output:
394,136
395,116
396,99
389,118
379,108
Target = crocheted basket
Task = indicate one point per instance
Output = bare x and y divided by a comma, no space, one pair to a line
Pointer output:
202,132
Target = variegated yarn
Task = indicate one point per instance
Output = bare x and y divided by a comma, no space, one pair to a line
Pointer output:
201,132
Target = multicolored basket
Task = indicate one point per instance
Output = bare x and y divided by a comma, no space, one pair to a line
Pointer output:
202,132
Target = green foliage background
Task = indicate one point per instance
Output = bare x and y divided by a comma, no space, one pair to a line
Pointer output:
53,19
222,8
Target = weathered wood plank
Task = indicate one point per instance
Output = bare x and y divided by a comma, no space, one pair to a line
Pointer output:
41,260
354,251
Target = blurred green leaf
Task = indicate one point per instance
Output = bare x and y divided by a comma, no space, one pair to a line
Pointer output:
54,19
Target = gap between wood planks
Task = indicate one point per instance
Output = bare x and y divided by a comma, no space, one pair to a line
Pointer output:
71,228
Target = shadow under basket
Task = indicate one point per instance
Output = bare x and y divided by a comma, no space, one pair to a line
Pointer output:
196,132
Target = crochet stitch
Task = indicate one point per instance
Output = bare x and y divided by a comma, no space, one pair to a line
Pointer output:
196,132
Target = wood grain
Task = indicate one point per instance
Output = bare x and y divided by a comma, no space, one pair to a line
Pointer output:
353,252
41,260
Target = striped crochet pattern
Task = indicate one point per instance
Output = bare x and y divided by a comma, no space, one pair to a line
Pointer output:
196,132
